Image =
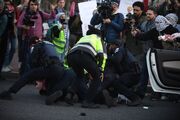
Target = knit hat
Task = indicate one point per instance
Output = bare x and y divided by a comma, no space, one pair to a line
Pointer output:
93,30
116,2
172,18
59,15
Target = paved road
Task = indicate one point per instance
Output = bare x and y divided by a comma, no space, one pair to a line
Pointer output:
29,105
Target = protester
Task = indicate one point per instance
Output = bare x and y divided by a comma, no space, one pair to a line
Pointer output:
3,35
30,24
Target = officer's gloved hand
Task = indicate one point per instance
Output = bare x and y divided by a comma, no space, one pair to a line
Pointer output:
102,76
102,73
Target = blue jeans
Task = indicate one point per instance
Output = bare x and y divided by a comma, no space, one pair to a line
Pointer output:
11,48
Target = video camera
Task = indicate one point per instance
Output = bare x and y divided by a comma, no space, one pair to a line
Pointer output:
105,9
29,18
130,21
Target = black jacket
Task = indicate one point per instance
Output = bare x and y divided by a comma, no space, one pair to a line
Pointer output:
153,35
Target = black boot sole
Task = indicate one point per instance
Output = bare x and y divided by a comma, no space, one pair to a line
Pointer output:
52,98
108,98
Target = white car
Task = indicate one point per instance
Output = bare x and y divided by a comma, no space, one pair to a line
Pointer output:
164,70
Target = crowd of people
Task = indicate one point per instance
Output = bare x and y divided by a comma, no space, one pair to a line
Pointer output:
63,64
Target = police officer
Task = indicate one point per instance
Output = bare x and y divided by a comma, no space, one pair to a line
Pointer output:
122,73
88,54
45,65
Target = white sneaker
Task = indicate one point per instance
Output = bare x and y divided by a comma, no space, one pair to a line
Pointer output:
6,69
10,67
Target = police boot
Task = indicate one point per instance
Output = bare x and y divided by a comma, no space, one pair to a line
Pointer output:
87,104
5,95
134,101
68,98
53,97
108,99
75,98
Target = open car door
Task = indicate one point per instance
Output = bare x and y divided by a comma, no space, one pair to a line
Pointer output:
164,70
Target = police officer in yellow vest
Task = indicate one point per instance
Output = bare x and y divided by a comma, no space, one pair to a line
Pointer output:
89,54
56,34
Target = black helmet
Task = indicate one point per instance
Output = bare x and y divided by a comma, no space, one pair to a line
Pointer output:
93,30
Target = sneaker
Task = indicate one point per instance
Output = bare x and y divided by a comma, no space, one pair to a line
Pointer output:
5,95
6,69
108,98
86,104
53,97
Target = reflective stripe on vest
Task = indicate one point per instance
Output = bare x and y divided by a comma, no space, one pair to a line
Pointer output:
94,41
93,44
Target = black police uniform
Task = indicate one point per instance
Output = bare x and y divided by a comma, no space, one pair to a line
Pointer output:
122,73
45,65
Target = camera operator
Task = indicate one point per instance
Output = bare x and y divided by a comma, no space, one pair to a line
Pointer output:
111,20
135,46
30,24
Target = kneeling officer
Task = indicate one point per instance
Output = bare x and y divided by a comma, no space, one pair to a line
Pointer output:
88,54
45,64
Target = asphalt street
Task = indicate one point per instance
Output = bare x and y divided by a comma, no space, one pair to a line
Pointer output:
27,104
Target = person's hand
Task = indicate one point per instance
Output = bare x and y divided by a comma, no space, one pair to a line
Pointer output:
26,27
53,7
166,37
106,21
175,35
134,32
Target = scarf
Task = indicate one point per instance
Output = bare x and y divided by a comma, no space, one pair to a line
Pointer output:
161,23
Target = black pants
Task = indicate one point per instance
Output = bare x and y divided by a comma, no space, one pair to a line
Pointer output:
122,83
79,61
3,48
51,74
68,78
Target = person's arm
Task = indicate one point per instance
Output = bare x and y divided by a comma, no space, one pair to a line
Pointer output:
20,23
175,35
96,19
119,23
143,36
102,54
